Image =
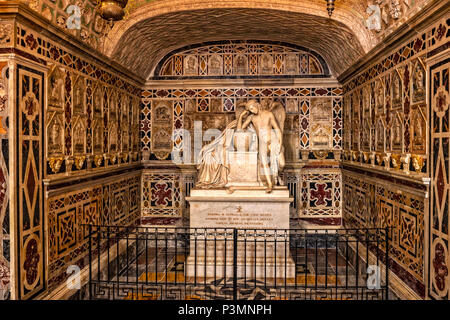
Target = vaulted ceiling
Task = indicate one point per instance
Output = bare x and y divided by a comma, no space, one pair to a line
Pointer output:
155,29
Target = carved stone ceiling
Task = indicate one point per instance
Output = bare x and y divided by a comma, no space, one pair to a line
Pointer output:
146,42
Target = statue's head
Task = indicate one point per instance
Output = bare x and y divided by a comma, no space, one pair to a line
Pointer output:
253,106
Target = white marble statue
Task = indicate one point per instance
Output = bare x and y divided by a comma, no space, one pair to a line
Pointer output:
251,118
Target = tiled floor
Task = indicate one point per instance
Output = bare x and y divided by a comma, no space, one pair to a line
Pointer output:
316,272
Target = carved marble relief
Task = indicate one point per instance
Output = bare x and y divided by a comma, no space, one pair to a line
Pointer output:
291,105
55,115
366,134
291,63
418,129
380,135
79,99
215,65
191,65
56,88
321,109
418,82
162,128
79,140
98,136
240,65
397,133
321,129
55,134
98,101
379,97
266,63
397,90
291,137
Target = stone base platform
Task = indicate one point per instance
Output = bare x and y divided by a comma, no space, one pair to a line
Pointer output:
262,248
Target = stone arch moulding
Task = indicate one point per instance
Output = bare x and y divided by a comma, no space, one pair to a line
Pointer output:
341,40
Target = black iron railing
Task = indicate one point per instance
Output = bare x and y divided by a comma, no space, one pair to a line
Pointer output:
145,263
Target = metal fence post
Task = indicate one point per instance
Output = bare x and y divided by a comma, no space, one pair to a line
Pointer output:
387,262
90,262
235,233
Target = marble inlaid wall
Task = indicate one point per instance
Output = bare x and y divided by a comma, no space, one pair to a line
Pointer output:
374,203
312,129
241,59
59,12
106,202
161,194
29,174
5,239
73,118
439,224
387,146
385,116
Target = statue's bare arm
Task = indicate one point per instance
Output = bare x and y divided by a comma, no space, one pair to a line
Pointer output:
246,122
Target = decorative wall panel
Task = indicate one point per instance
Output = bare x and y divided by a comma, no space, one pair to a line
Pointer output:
29,175
439,263
101,203
228,59
5,240
391,93
161,194
73,119
372,203
320,193
165,111
83,113
387,135
83,121
387,116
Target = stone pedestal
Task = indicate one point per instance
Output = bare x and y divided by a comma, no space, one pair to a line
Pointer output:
243,169
260,253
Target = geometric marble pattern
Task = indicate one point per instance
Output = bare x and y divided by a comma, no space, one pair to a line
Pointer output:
161,195
5,243
314,115
246,58
107,203
320,193
30,84
373,204
439,262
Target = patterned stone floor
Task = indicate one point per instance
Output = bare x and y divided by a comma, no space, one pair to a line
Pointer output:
159,274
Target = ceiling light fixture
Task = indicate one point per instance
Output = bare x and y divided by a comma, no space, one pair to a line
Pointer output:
330,7
111,10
